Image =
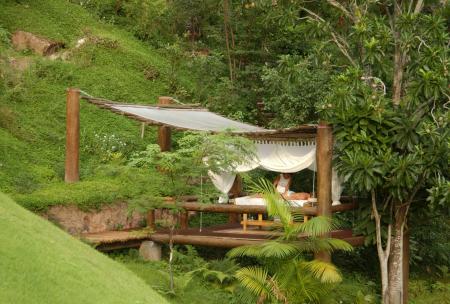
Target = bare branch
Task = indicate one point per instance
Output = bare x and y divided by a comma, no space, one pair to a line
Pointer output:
419,6
342,8
339,41
342,49
313,14
376,215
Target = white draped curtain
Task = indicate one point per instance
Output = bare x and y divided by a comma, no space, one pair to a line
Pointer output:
279,157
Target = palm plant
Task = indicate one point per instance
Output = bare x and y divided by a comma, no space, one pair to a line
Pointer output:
285,275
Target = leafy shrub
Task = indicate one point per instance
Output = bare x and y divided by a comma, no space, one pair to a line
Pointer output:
147,19
4,37
108,147
292,89
429,292
110,184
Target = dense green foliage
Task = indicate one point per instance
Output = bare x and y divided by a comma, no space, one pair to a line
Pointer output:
286,276
275,63
112,64
389,108
42,264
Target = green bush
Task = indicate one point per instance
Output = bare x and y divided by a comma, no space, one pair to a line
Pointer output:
110,184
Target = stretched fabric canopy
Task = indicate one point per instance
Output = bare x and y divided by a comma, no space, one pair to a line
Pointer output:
188,119
279,157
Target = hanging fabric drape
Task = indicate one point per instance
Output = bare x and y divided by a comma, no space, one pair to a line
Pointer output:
282,157
279,157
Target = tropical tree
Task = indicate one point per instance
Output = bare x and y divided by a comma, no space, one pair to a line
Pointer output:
389,106
286,275
183,171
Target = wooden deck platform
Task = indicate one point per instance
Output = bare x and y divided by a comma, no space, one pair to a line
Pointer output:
225,236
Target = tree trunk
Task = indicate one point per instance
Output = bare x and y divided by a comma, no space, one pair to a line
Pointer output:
227,39
383,255
396,258
171,283
384,278
398,59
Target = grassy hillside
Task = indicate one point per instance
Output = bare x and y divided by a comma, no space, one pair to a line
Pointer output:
41,264
112,64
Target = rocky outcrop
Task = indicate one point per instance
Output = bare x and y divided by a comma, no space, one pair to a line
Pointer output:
107,218
27,41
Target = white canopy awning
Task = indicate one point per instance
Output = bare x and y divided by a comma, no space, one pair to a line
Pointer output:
191,118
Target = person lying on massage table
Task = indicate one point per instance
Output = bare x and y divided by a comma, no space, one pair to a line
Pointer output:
283,182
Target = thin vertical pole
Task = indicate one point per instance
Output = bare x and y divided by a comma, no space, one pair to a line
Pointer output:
324,157
72,136
164,132
142,130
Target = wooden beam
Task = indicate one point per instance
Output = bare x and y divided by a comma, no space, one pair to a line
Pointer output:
225,242
72,174
217,241
324,157
230,208
164,132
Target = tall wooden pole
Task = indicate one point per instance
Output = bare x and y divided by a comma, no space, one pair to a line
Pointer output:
72,136
324,157
164,132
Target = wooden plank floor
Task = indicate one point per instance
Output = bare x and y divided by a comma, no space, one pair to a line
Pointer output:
226,236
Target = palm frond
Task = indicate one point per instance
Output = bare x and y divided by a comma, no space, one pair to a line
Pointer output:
323,271
260,283
269,249
315,244
337,244
276,205
246,250
280,250
255,280
317,226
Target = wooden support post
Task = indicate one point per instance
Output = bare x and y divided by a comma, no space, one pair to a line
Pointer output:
244,221
324,157
184,223
164,132
151,219
72,174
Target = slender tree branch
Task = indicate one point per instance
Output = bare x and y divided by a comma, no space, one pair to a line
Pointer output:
419,7
342,8
377,224
339,41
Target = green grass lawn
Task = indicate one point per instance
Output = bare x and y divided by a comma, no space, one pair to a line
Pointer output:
42,264
32,103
